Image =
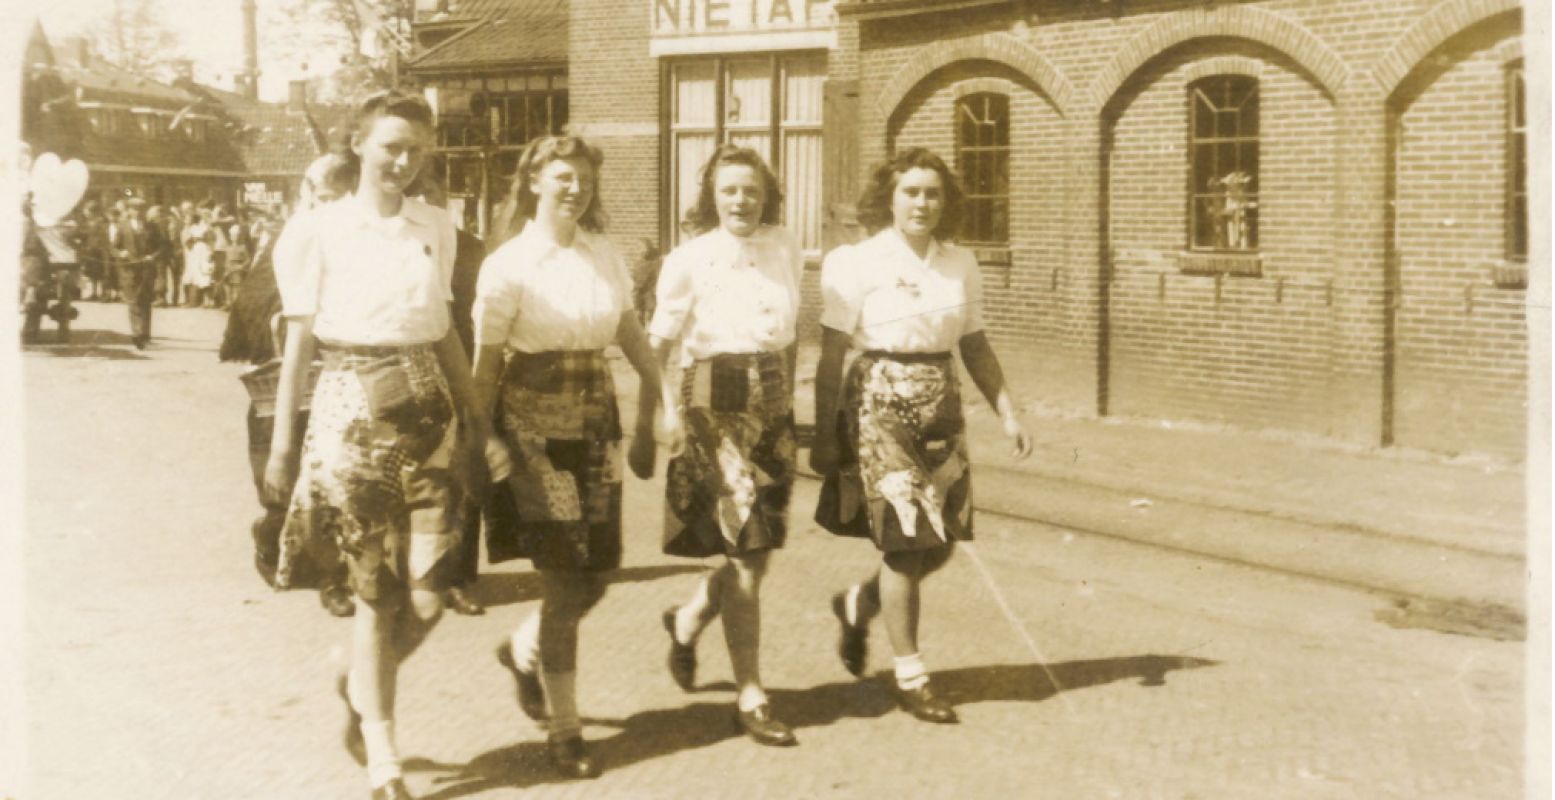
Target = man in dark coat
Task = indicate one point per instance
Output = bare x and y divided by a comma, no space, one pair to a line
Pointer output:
136,249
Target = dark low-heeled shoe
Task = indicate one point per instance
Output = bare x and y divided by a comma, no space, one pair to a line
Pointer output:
531,694
925,705
682,657
337,601
393,790
852,641
571,758
460,601
351,737
761,727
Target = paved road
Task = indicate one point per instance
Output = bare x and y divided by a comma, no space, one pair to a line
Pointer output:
159,665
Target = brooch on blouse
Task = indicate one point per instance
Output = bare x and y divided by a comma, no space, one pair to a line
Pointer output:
907,286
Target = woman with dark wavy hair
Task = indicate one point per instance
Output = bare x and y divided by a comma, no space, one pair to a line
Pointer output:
730,299
891,440
547,304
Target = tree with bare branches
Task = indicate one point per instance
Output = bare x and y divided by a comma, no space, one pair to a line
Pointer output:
348,47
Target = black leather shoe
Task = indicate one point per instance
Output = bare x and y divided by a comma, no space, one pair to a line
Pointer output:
925,705
393,790
531,695
758,724
682,657
460,601
337,601
852,641
351,737
571,759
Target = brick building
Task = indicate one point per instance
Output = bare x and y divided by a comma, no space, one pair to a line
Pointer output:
1306,215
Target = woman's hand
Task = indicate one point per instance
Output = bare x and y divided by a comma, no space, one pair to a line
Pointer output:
280,475
644,450
1018,435
499,462
672,431
825,455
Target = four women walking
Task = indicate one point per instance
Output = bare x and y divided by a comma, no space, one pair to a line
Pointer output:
401,429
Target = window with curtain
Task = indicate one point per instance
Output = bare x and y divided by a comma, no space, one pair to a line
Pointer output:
1223,164
983,160
1516,166
770,103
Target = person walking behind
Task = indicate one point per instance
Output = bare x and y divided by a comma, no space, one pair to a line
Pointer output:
730,296
548,303
135,248
382,467
173,262
891,440
155,218
94,248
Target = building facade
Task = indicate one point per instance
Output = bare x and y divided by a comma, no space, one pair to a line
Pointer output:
1306,215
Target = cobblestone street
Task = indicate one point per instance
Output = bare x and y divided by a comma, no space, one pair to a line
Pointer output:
1083,667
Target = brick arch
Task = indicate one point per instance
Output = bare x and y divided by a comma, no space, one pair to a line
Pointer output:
1444,21
1253,24
1001,48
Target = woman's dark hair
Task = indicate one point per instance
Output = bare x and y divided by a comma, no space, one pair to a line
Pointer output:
520,203
387,103
874,203
703,216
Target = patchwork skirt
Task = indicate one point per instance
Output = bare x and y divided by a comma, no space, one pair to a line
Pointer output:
728,491
904,480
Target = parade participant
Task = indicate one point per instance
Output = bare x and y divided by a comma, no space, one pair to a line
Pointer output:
135,247
155,218
548,302
94,247
382,464
894,451
173,262
253,334
730,297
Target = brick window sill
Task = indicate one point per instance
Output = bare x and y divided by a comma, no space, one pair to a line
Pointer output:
991,255
1510,275
1249,265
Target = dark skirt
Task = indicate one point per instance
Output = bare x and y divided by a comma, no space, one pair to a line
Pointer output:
727,492
560,420
377,480
904,480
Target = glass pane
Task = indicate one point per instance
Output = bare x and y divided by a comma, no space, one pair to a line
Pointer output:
999,172
1249,164
999,115
803,79
1249,118
1519,165
1203,117
538,112
1247,224
691,151
749,99
1203,167
1203,221
695,102
760,142
802,187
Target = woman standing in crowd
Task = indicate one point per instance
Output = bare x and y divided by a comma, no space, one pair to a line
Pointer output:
905,298
381,474
548,302
199,258
730,297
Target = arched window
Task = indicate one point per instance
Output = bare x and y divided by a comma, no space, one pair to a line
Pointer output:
1516,165
983,160
1223,164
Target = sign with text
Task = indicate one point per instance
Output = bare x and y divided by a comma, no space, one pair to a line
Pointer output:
710,26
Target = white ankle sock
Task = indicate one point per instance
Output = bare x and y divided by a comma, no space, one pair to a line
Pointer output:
910,671
562,701
751,697
850,605
383,760
525,643
686,633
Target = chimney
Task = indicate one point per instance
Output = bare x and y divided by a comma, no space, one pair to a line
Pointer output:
183,70
297,99
249,85
79,49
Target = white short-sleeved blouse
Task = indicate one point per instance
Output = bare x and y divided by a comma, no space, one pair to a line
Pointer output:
368,279
721,293
887,298
534,295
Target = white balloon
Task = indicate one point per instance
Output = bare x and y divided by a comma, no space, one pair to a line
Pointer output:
56,187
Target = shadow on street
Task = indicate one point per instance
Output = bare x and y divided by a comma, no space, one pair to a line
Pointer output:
521,587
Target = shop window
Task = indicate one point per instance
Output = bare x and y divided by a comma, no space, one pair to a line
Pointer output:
1223,164
769,103
983,159
1517,166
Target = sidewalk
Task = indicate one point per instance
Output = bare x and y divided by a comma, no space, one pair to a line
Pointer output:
1405,523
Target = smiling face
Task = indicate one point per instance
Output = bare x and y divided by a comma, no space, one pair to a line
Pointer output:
392,150
738,194
563,189
918,202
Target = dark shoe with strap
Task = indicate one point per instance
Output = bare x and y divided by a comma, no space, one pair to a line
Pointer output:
682,657
853,640
393,790
461,601
337,601
571,759
925,705
531,695
351,737
759,724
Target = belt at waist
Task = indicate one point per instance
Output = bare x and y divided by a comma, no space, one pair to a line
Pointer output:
368,350
906,358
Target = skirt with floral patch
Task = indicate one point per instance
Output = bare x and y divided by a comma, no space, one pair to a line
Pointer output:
376,482
562,425
728,492
905,479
